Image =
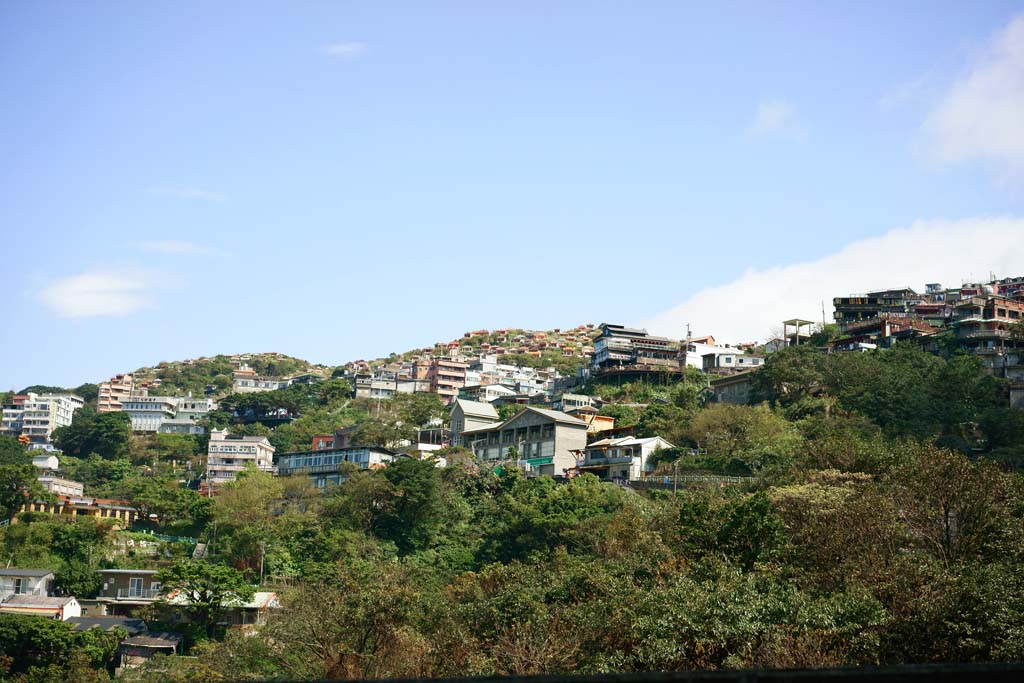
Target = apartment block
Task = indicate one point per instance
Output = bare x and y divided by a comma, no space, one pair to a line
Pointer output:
447,377
228,454
37,415
114,392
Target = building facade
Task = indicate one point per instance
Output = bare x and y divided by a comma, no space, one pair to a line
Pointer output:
467,415
546,441
37,415
227,455
113,392
327,467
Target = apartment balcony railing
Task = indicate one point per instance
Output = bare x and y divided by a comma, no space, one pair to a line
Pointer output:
983,334
138,593
617,460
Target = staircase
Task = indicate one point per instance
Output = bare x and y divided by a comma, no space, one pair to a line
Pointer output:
200,552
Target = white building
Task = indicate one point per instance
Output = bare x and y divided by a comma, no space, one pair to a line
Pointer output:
166,414
188,412
730,359
37,415
61,486
148,412
623,458
245,381
227,455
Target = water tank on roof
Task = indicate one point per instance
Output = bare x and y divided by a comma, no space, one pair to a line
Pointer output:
988,289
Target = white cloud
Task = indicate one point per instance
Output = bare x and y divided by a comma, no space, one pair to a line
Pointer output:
948,252
344,50
111,292
189,193
174,247
981,117
775,117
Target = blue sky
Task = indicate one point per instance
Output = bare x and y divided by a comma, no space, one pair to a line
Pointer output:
339,181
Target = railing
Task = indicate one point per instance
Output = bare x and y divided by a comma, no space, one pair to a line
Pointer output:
617,460
696,478
137,593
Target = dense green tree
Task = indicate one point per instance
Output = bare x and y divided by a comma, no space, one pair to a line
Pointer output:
13,452
413,518
105,434
17,485
206,590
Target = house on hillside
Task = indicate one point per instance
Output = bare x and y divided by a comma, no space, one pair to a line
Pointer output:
621,458
60,609
546,440
18,581
123,591
467,415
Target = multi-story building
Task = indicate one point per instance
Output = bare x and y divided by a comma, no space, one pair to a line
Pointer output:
188,412
147,413
622,458
896,302
245,381
544,442
485,392
61,486
16,581
123,592
467,415
228,454
327,467
984,322
114,392
447,377
37,415
619,346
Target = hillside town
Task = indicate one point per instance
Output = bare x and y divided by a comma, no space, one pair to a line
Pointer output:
552,404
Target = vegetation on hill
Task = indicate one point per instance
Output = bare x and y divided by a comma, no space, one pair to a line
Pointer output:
882,524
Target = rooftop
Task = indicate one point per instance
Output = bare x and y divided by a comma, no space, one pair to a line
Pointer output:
15,571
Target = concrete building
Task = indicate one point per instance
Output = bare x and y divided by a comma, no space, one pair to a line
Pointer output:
61,486
227,455
737,389
622,458
327,467
37,415
245,381
123,592
727,360
188,412
896,302
466,415
114,392
60,609
17,581
119,512
147,413
619,346
547,441
447,377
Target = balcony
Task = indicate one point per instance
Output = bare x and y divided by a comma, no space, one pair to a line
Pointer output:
982,334
617,460
138,593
